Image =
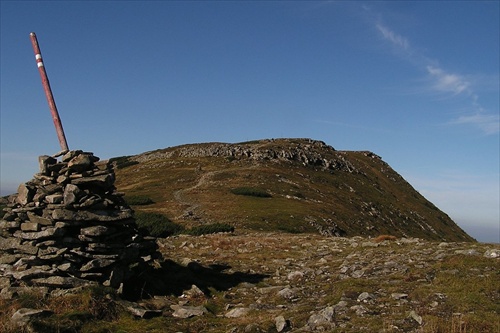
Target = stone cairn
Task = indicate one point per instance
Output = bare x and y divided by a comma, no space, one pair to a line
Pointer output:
69,228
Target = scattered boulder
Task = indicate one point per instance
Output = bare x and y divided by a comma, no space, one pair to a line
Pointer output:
282,324
237,312
492,253
322,320
413,315
181,311
140,312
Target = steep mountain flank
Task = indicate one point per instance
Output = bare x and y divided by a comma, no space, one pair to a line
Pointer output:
292,185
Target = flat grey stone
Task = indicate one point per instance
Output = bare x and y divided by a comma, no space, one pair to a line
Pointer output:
30,226
44,234
98,230
54,198
24,315
96,264
144,313
188,311
61,282
38,219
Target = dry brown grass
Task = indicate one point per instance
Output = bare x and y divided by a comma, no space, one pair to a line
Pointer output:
70,311
7,309
382,238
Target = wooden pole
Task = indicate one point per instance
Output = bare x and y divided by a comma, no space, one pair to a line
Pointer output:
48,94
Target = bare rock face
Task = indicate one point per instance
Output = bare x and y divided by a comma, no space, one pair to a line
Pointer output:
68,227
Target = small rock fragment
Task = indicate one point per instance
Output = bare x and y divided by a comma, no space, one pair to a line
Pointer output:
413,315
24,316
237,312
282,325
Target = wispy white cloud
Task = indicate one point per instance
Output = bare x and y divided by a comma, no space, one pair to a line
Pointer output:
488,123
443,82
447,82
394,38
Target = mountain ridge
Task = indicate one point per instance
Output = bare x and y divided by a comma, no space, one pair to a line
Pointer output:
309,187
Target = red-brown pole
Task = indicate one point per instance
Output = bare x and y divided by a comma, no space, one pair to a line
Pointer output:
48,93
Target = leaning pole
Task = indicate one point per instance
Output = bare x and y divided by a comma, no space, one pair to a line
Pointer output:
48,94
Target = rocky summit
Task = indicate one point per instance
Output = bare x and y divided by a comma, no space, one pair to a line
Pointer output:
291,185
69,228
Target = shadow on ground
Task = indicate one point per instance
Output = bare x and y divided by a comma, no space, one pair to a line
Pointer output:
173,279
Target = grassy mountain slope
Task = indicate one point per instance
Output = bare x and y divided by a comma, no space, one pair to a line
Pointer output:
292,185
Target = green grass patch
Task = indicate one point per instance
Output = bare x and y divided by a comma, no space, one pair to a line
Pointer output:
251,191
209,229
293,226
156,225
138,200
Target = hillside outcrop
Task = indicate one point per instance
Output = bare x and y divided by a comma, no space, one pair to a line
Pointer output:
305,151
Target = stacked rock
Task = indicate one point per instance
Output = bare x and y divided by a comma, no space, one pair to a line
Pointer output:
68,227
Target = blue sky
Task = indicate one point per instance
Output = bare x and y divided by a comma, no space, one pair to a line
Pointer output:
415,82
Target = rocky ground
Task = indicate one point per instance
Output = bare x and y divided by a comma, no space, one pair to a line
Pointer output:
302,283
277,282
